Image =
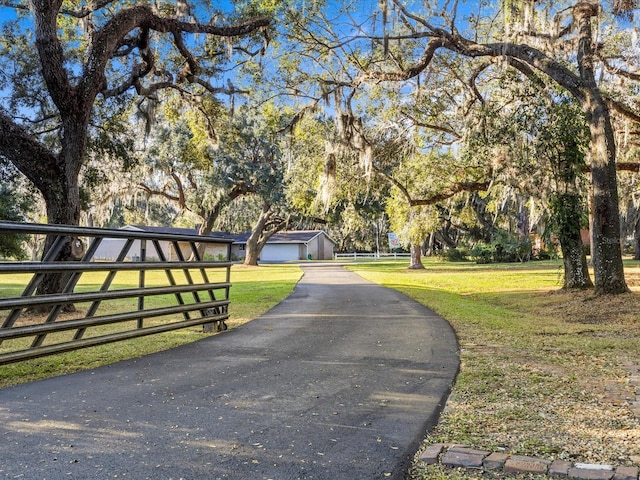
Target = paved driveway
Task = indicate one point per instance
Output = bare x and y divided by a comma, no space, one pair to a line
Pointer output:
340,381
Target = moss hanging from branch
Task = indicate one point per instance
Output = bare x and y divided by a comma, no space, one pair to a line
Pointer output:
328,180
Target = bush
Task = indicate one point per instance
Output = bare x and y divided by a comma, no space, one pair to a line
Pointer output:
454,254
504,251
13,207
482,253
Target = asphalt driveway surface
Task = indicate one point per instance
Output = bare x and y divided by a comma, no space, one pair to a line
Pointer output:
339,381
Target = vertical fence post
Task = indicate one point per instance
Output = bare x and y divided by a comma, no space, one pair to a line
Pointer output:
143,257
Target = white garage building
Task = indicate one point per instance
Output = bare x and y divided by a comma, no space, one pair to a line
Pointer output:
289,246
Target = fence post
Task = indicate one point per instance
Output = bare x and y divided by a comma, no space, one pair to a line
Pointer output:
143,257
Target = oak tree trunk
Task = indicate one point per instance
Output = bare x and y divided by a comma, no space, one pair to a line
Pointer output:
265,228
62,198
636,239
567,210
252,252
416,257
607,253
576,270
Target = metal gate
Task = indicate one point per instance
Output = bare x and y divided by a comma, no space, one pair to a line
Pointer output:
146,283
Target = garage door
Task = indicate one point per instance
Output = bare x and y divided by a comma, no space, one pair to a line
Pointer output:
279,253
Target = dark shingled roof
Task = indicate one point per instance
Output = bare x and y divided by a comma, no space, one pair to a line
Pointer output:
180,231
293,236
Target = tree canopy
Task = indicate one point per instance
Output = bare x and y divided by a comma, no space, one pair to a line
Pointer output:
68,70
405,44
429,112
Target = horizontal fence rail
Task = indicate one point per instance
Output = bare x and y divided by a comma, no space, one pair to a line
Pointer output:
96,286
372,255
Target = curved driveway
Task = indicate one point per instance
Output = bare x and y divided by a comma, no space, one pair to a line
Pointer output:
340,381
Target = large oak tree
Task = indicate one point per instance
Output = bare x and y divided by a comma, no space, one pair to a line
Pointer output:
121,52
532,52
398,42
93,59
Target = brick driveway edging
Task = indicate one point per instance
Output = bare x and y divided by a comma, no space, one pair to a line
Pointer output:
459,456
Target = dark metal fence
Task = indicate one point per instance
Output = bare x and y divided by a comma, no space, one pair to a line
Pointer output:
118,284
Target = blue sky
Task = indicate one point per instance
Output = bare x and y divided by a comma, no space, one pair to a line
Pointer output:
7,13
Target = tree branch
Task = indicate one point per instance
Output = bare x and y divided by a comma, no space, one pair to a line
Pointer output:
623,110
438,127
451,191
112,37
192,63
27,154
526,59
416,69
182,198
82,13
161,193
619,71
241,188
628,166
395,182
458,187
621,167
52,55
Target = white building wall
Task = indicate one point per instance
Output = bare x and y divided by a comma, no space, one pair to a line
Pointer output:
320,248
110,248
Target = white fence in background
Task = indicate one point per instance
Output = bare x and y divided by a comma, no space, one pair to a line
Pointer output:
374,256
